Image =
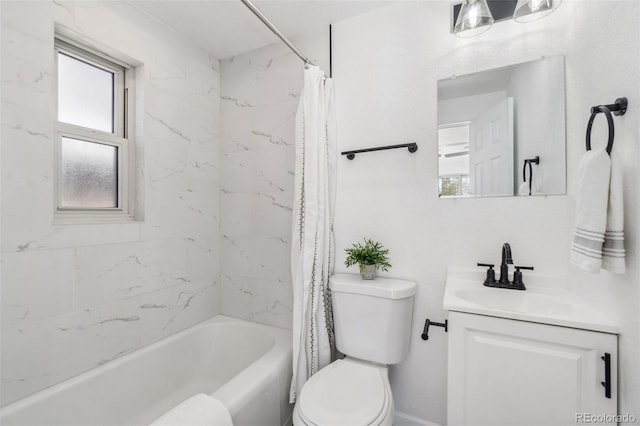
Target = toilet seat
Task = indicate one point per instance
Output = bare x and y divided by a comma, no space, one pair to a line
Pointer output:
346,392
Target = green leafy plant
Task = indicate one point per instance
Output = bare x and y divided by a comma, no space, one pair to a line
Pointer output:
371,253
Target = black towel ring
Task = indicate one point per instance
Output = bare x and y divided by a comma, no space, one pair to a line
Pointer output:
619,107
529,162
607,113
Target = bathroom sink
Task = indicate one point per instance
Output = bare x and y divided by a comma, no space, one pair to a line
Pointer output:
513,300
547,300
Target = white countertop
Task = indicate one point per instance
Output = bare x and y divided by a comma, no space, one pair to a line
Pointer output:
546,300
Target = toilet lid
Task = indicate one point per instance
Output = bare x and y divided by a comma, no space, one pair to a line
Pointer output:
344,393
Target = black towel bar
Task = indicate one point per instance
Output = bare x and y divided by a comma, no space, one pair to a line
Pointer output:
412,147
619,107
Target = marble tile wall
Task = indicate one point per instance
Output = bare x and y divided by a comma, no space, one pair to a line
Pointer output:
77,296
259,98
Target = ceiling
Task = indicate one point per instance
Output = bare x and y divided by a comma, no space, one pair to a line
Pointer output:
227,28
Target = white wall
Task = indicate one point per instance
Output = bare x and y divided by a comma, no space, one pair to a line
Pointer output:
260,95
386,65
76,296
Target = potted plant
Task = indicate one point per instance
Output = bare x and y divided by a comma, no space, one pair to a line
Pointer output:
370,256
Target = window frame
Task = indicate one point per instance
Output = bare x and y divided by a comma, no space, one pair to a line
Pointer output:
121,137
458,176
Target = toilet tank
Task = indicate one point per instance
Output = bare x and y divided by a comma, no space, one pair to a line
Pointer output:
372,318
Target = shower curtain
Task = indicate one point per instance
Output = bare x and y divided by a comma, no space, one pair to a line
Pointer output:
312,250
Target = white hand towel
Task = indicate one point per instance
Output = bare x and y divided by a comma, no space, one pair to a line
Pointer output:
524,188
594,175
613,249
199,410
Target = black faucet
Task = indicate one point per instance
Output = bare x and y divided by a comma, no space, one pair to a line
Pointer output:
504,282
506,260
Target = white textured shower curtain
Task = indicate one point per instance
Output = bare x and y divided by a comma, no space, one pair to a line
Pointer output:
312,250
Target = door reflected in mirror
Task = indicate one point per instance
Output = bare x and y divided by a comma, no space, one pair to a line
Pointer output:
491,122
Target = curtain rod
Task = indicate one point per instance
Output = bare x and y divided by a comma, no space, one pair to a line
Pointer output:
275,30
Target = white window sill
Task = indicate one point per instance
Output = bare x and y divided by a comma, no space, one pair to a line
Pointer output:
88,218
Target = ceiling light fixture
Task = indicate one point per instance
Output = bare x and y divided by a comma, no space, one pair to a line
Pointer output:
474,18
532,10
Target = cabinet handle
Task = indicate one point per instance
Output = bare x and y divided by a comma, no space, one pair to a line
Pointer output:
607,374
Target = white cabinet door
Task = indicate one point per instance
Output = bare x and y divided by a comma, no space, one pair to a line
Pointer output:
507,372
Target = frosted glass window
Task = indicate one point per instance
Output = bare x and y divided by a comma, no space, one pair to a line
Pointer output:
85,94
89,174
92,125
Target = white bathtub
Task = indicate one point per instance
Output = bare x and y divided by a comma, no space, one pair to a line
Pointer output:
245,365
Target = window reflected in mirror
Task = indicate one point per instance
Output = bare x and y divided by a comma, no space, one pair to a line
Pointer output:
453,159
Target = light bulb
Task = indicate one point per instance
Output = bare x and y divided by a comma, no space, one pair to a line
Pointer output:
535,5
473,18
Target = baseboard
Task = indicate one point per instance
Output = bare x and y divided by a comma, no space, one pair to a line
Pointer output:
402,419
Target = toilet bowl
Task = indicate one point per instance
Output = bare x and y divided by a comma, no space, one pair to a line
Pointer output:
346,392
372,322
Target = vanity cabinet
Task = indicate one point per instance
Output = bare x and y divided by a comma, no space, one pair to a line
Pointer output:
511,372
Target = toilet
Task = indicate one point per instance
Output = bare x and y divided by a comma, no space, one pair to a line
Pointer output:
372,321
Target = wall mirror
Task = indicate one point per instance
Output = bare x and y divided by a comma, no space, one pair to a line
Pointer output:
501,132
